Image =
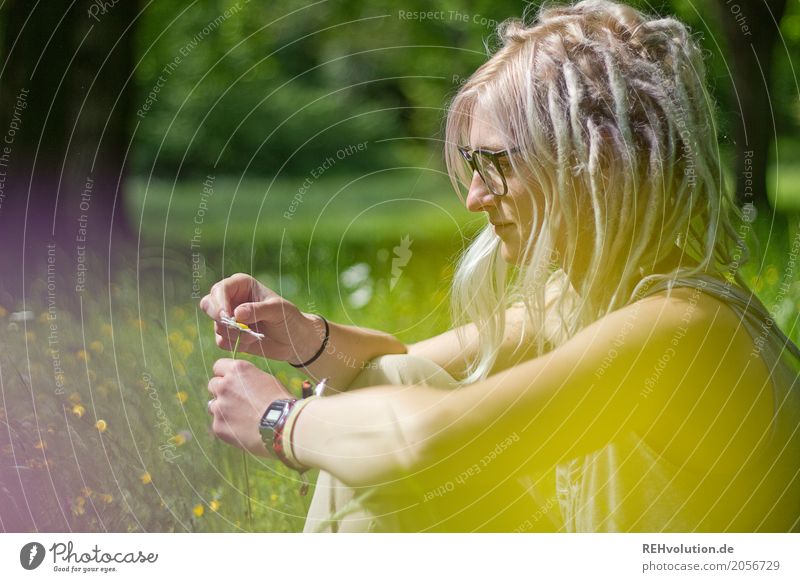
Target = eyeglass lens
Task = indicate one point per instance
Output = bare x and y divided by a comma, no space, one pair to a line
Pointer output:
489,172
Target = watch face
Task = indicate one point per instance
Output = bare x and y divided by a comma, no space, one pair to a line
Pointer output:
273,414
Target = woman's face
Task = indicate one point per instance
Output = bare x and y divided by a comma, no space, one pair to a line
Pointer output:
512,214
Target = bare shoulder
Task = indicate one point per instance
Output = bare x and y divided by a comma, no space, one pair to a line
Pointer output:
709,391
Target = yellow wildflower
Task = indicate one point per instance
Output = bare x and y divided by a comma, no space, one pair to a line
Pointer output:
96,347
40,444
82,355
214,505
44,317
101,425
3,311
106,329
273,497
175,337
107,498
198,510
86,491
185,348
182,396
78,410
178,439
146,478
30,336
771,275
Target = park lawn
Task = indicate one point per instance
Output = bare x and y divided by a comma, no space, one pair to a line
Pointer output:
416,202
136,360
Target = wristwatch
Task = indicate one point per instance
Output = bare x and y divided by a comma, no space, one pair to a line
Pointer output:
272,423
276,419
272,426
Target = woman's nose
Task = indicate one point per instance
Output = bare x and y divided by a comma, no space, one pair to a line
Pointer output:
479,197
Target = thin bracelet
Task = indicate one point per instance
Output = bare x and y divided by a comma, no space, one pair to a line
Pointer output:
288,433
321,348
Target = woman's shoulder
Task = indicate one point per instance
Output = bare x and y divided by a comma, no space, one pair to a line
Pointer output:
714,389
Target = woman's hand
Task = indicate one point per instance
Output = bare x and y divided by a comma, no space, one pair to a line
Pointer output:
290,335
240,394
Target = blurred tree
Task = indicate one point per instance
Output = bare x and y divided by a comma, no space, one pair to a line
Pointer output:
752,29
65,125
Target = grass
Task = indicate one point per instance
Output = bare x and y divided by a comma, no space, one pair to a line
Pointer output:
137,355
350,211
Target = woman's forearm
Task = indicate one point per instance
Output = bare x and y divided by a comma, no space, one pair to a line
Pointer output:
370,437
348,351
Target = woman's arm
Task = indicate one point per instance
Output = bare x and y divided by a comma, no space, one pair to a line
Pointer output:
573,400
349,349
447,351
518,344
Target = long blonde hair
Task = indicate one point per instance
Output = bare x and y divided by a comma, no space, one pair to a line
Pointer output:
617,131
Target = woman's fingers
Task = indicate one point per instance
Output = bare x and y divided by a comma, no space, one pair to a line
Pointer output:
213,384
272,310
227,341
227,365
227,294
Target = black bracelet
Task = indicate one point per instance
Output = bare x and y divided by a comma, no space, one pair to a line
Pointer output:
321,348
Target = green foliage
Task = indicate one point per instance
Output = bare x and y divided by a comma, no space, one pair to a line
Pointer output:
274,88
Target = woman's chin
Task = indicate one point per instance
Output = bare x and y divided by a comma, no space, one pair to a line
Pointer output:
509,252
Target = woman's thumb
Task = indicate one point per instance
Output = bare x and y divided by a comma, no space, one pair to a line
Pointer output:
246,313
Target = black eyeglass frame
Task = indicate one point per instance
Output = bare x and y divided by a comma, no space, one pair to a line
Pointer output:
494,157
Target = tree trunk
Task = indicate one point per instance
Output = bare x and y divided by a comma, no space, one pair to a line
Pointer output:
64,134
751,29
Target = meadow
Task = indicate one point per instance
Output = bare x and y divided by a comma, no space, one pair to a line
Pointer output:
104,392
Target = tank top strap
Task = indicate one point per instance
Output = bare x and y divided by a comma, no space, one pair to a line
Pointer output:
745,303
725,291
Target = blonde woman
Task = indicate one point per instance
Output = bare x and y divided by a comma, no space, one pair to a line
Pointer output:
611,370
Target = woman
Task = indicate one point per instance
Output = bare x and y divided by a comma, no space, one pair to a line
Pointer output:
619,376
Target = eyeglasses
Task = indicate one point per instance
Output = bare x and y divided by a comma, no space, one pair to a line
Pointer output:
489,166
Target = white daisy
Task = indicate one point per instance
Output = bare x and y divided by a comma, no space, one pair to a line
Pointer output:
233,324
